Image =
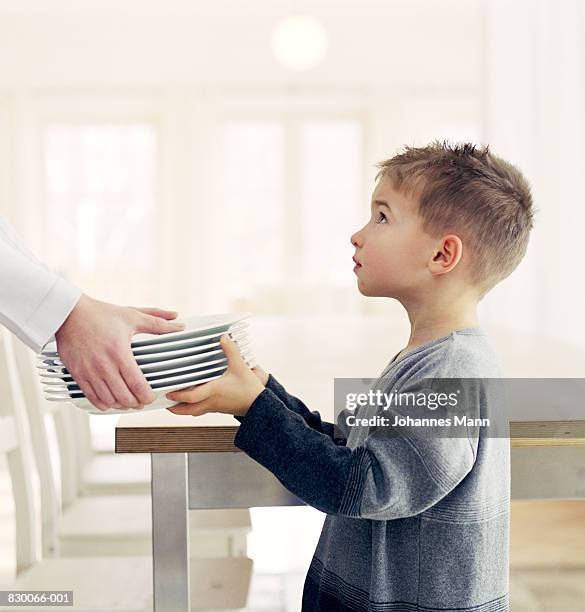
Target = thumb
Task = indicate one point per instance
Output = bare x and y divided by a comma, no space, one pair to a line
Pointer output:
155,325
232,351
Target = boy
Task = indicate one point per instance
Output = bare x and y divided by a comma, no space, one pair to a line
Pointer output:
411,525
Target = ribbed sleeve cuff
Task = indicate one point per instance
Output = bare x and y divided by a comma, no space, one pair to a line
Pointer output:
262,416
275,386
271,384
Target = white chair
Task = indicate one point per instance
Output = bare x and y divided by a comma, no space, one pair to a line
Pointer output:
105,524
127,579
213,533
93,473
106,473
100,583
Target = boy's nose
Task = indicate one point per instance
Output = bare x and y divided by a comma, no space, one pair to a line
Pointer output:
356,239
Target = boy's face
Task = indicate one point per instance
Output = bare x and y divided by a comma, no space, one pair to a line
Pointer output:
392,249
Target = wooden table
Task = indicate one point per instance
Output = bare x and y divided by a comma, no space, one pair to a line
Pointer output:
196,465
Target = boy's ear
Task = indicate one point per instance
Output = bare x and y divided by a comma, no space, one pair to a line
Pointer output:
447,254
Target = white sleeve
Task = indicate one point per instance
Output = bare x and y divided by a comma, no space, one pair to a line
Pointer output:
34,301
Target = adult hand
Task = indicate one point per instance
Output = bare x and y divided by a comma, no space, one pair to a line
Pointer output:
232,393
94,345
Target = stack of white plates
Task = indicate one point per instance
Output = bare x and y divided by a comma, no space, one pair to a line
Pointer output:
170,361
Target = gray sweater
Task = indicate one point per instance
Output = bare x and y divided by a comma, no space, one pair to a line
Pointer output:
410,526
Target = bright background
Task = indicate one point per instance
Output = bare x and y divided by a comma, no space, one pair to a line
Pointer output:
157,153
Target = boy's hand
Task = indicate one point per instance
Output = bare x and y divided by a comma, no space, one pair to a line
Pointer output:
261,375
233,393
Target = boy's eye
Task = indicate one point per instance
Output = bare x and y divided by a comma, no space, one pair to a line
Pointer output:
381,217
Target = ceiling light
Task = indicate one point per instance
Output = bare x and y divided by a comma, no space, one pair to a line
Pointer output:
299,42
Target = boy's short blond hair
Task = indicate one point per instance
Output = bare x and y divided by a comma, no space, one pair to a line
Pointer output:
471,192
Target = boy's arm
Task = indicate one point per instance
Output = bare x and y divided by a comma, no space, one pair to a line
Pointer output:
312,418
386,478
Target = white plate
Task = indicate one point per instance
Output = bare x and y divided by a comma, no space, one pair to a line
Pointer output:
238,328
240,340
160,402
60,379
63,393
158,366
235,331
194,327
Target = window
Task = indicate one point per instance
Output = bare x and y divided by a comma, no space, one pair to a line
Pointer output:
100,208
253,203
292,197
330,158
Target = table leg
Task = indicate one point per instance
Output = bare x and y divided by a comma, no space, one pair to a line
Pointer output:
170,532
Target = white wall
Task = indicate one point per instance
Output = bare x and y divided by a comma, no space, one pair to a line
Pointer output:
412,70
127,43
535,85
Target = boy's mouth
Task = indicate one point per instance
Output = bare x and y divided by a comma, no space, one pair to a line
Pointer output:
357,266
